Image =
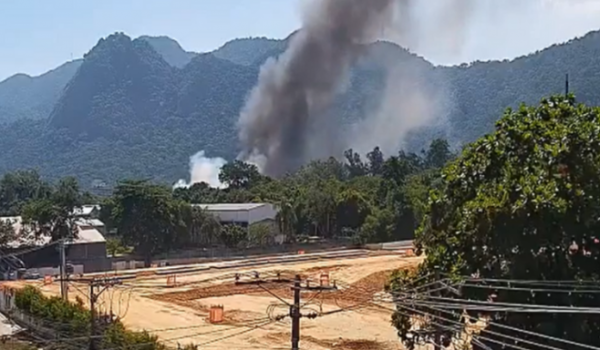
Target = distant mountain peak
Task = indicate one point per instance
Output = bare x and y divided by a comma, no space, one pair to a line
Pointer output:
116,69
169,49
18,76
163,40
249,51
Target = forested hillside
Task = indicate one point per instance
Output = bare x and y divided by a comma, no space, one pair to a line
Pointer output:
141,108
23,96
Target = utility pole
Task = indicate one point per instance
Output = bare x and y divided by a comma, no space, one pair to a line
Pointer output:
93,299
97,287
295,314
63,271
567,84
437,339
295,307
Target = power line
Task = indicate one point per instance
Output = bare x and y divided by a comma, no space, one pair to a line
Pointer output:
465,303
484,330
533,290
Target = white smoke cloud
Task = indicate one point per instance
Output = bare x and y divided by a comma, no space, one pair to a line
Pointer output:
204,169
409,102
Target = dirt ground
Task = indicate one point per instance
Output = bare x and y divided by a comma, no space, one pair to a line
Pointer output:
255,315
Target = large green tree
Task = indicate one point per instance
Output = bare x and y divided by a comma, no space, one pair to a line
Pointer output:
17,188
238,174
7,233
147,217
520,204
53,215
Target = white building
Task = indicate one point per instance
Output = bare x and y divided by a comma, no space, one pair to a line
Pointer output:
244,214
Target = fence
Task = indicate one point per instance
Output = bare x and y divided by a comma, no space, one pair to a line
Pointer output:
222,253
53,271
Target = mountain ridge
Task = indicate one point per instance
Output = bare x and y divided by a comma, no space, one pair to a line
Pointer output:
37,102
129,112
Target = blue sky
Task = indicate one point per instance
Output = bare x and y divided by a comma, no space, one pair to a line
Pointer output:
38,35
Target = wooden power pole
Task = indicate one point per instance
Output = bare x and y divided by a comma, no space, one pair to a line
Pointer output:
295,307
97,287
64,287
295,313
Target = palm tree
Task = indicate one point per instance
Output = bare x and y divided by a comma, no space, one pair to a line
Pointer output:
286,218
211,229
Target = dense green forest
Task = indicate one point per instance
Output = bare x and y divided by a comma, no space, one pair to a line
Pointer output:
141,108
369,198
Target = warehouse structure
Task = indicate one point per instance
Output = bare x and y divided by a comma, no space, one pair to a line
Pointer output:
86,252
246,215
243,214
88,215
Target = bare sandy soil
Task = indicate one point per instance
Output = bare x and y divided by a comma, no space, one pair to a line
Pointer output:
349,319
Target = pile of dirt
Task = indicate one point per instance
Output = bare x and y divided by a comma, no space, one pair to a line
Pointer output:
240,318
218,290
347,295
319,269
349,344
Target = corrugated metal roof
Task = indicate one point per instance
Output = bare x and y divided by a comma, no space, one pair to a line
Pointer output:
85,210
230,206
90,222
88,235
85,234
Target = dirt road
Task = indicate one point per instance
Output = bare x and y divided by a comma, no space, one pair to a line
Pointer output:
355,316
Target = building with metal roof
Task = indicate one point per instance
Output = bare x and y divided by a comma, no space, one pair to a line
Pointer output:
88,210
244,214
88,248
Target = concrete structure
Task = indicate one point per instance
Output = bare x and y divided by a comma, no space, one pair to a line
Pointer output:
88,249
244,214
247,215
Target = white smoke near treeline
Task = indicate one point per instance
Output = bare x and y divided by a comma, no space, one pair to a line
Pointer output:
283,124
203,169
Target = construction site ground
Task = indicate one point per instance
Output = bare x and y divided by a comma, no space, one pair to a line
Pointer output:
355,316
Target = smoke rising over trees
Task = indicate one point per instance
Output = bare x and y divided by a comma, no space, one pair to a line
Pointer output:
296,88
283,125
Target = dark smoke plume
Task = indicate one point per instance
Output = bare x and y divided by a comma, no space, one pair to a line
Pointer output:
301,84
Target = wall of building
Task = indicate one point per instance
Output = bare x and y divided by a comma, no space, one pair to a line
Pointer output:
92,256
259,213
86,251
262,213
